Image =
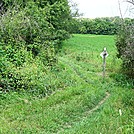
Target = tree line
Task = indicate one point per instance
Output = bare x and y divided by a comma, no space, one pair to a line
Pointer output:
98,26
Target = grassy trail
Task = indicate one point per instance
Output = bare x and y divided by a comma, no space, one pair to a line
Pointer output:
84,103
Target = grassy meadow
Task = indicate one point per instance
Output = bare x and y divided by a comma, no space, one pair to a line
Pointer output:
82,102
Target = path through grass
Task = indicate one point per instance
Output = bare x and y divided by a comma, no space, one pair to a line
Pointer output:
84,103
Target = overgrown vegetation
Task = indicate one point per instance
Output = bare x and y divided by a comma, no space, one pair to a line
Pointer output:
63,92
29,33
125,45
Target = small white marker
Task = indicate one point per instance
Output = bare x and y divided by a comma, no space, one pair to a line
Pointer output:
120,112
104,54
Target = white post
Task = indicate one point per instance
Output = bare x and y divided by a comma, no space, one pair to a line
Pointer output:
104,54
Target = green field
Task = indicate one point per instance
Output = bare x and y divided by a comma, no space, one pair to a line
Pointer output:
82,102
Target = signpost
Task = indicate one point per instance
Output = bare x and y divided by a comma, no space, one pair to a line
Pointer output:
104,54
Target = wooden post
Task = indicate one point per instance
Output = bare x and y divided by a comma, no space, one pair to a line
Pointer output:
104,54
104,66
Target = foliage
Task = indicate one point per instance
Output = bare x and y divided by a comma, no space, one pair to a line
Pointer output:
125,46
30,31
80,106
98,26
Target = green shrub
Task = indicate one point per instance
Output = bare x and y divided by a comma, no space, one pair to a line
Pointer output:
29,33
32,75
125,46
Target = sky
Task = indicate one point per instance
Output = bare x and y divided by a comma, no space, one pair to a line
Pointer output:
103,8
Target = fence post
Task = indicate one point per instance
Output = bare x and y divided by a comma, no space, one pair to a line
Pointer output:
104,54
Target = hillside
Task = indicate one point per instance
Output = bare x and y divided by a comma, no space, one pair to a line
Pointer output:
81,100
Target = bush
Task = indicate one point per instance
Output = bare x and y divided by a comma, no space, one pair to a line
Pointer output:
29,33
125,46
